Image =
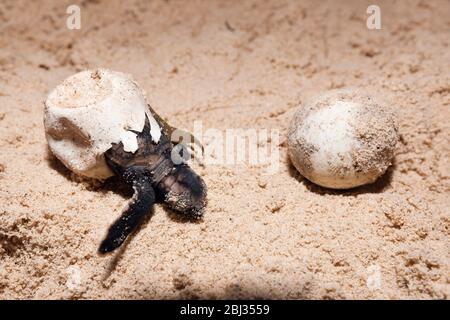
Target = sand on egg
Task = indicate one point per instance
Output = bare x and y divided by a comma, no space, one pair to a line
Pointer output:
88,112
342,139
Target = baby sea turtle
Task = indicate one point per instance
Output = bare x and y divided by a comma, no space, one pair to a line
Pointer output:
157,173
98,124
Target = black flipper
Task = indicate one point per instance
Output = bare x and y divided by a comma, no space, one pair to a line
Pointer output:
138,207
177,137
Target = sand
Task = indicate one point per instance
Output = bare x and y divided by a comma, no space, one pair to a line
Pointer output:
230,64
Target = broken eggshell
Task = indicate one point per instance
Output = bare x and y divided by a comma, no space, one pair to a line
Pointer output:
88,112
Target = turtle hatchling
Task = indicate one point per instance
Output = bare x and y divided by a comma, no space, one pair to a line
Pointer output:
98,124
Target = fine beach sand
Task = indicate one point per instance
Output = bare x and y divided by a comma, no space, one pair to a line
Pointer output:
230,64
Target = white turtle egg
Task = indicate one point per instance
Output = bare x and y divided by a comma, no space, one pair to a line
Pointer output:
342,139
88,112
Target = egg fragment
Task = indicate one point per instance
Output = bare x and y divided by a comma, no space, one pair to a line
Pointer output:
342,139
88,112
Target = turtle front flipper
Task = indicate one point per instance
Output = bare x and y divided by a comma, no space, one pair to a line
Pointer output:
139,205
176,135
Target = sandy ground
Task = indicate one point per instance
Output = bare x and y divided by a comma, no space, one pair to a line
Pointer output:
230,64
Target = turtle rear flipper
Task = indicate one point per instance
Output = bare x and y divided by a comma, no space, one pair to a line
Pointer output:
139,205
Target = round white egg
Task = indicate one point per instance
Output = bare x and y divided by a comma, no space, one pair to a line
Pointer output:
342,139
